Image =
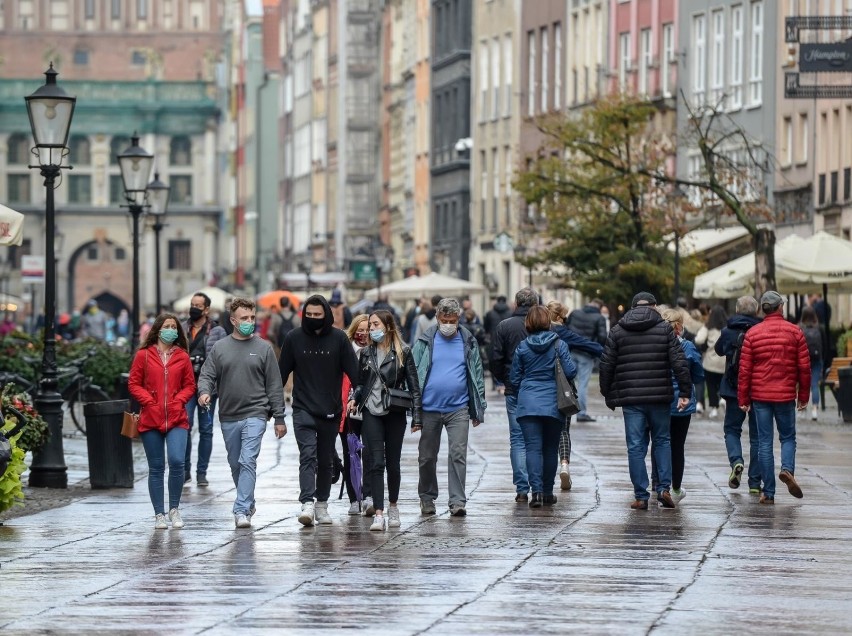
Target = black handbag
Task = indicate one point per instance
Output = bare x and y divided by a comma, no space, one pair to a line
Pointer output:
399,399
566,392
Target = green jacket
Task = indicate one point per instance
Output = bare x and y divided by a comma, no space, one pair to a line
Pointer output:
422,353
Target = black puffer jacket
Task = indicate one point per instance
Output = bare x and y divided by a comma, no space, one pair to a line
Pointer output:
394,376
640,355
589,323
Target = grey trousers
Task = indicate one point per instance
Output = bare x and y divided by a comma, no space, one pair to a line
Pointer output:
458,426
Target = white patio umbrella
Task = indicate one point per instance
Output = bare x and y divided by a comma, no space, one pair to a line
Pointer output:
11,226
821,259
434,283
217,299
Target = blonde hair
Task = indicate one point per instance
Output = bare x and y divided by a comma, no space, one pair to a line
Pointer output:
557,311
672,316
353,326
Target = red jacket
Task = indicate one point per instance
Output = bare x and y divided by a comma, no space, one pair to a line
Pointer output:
774,363
161,391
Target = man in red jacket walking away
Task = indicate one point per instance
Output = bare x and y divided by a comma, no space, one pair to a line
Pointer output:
775,381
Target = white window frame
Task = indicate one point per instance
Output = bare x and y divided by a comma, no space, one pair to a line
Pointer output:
755,80
645,61
623,60
668,57
699,58
735,98
531,69
545,55
495,78
507,75
717,59
557,66
59,21
483,80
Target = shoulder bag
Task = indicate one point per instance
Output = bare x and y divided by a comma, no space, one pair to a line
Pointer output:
393,399
566,392
130,423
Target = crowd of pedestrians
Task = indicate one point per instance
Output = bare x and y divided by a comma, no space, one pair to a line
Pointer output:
370,384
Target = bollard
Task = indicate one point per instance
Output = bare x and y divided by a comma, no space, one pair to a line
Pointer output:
844,392
110,453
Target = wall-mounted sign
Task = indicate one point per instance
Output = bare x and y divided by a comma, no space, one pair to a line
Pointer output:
825,57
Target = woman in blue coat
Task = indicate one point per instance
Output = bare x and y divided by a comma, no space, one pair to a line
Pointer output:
533,372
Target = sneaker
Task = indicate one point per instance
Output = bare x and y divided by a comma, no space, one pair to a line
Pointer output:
242,521
664,499
174,517
787,477
734,478
714,412
427,507
521,497
201,479
321,513
368,508
457,510
565,477
393,517
354,508
754,491
678,494
160,522
814,414
548,500
378,524
767,500
639,504
306,518
585,418
699,407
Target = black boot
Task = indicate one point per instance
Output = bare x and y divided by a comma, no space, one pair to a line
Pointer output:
536,500
549,500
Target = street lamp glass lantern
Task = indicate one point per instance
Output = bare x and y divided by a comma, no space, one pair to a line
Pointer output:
135,164
50,110
158,196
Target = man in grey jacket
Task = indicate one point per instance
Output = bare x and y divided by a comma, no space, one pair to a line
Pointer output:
243,370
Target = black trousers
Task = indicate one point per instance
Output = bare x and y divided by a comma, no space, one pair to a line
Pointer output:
713,381
679,427
316,438
383,436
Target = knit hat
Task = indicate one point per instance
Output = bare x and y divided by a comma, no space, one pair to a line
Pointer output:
643,298
336,298
771,301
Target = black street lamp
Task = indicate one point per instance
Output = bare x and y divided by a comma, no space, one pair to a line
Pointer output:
135,164
158,194
306,266
50,110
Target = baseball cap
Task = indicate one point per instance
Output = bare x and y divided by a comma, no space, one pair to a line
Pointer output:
643,298
771,299
336,298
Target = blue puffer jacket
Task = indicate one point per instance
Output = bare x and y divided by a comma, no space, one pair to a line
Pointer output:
696,370
533,373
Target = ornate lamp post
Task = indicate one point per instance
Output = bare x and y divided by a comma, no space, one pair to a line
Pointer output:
158,194
50,110
135,164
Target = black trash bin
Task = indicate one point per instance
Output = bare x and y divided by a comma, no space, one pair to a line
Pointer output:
844,392
110,453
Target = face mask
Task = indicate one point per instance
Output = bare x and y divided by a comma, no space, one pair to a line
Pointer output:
168,335
195,313
361,338
313,324
378,335
246,328
448,330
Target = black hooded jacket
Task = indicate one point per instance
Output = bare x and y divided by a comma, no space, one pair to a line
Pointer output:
640,356
508,335
318,362
727,343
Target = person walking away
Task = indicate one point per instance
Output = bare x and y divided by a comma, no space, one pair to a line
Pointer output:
576,344
385,364
318,355
202,332
241,370
359,335
533,372
449,370
410,317
640,355
162,382
341,313
729,345
425,320
589,323
815,338
493,317
775,381
713,363
507,336
289,320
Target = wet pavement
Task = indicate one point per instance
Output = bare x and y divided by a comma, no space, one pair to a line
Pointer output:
718,564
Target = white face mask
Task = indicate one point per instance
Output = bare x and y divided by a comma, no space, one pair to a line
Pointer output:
448,329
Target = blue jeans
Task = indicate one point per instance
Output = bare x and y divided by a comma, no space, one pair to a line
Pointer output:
784,415
541,436
517,448
205,434
585,365
733,428
641,423
242,441
156,445
816,376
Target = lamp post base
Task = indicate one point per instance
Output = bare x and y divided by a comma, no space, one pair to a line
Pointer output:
48,469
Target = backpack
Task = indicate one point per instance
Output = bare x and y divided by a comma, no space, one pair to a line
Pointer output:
732,370
813,338
287,325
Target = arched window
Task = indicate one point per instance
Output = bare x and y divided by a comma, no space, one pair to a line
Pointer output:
19,148
81,150
118,145
180,151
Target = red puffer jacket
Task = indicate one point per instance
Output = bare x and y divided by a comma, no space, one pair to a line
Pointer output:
774,363
162,391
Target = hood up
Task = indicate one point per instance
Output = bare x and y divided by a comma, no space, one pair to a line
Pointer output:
328,319
541,341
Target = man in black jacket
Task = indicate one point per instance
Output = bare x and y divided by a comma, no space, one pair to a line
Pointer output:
590,323
640,355
507,336
318,355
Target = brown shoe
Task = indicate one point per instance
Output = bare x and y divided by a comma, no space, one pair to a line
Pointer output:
640,504
767,500
787,477
521,498
666,500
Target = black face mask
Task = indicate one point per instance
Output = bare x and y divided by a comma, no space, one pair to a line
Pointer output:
195,313
313,324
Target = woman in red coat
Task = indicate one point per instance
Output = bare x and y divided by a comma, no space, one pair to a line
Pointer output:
161,380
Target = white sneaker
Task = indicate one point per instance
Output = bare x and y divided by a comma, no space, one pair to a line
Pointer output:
354,508
713,413
814,414
160,522
321,513
699,408
307,516
174,517
242,521
368,510
378,524
677,495
393,517
565,477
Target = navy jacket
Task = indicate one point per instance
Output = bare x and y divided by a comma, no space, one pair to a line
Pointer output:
576,342
737,324
533,373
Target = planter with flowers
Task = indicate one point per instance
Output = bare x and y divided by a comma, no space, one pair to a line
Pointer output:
30,433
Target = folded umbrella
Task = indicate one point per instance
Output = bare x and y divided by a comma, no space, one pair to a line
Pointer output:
356,472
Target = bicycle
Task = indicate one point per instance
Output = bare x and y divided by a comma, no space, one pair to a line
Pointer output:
78,389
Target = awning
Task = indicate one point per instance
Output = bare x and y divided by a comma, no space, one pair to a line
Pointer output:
11,226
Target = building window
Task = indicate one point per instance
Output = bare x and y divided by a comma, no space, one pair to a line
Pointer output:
81,57
59,15
545,59
92,253
117,145
483,81
645,61
81,150
787,141
180,254
115,11
142,9
717,84
19,149
169,14
120,254
531,69
181,189
507,167
79,188
736,73
804,138
623,60
180,151
495,78
89,10
483,189
495,192
26,14
196,15
557,65
18,188
755,80
699,57
847,183
138,58
116,189
507,75
668,58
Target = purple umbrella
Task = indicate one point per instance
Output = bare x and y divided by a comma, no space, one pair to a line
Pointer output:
355,471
